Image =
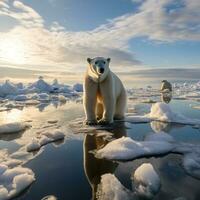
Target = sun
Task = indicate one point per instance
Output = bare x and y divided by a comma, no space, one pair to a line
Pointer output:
12,50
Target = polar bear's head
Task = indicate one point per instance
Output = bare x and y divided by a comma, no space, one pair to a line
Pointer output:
98,67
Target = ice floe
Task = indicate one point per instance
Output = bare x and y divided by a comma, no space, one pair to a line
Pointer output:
111,188
146,181
13,127
39,90
44,138
125,148
78,87
49,197
21,97
14,180
162,112
8,88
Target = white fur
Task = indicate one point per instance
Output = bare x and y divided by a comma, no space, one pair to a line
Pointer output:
104,94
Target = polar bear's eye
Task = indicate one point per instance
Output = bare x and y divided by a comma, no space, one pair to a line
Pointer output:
104,62
96,63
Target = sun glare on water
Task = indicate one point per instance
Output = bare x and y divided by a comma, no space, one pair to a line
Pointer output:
12,50
13,115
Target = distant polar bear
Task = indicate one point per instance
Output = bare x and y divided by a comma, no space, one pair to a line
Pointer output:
166,86
104,94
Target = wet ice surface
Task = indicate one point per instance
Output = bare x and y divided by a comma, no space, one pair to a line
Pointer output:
68,167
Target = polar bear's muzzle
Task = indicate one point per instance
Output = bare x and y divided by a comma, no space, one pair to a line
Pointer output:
101,70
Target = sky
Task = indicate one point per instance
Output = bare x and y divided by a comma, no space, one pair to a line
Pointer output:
59,35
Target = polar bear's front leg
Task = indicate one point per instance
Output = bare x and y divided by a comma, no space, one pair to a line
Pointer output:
89,101
107,93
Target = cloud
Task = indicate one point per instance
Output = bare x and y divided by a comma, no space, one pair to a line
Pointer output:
163,21
170,73
25,15
54,46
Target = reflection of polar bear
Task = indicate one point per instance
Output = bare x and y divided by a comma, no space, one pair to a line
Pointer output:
104,94
166,86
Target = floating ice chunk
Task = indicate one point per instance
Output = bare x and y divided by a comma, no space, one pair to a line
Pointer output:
41,86
78,87
13,127
34,145
43,96
111,188
146,181
126,148
21,97
162,112
7,88
21,155
12,163
13,181
45,138
49,197
34,96
55,134
52,121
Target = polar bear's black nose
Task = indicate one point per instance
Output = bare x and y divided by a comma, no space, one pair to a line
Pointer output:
101,70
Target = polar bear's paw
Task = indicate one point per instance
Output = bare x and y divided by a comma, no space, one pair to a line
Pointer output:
91,122
104,122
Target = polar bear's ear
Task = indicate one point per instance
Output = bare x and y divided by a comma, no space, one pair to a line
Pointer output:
108,60
89,60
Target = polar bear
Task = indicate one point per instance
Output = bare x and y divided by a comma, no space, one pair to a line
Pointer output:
104,97
166,86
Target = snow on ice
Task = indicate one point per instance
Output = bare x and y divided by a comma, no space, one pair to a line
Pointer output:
13,127
14,180
39,90
162,112
111,188
156,144
45,138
